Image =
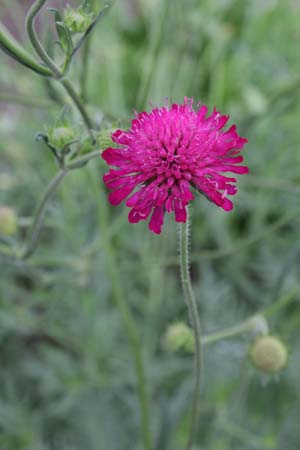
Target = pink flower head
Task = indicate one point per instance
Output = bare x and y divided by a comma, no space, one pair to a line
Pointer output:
167,152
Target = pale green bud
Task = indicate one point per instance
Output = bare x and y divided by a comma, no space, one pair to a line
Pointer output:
268,354
179,336
8,221
77,20
61,136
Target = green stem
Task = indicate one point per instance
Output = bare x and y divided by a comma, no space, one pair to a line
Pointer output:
30,19
56,71
256,322
84,70
194,317
227,333
80,162
130,326
41,212
10,46
80,106
252,323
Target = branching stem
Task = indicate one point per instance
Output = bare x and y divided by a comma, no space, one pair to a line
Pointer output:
56,71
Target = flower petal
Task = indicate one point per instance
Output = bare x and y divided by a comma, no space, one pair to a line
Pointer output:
157,220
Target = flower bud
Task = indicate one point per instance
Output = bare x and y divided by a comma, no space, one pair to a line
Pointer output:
61,136
8,221
268,354
78,21
179,336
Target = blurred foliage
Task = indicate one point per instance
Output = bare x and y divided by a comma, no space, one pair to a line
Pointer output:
67,379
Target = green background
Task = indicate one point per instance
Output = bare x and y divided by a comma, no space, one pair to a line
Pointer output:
66,371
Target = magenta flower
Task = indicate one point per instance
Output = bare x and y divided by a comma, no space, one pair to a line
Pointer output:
167,152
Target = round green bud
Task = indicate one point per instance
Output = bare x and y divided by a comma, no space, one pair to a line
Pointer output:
8,221
61,136
179,336
77,21
268,354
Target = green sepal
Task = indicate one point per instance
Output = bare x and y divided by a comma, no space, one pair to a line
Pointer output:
65,38
45,138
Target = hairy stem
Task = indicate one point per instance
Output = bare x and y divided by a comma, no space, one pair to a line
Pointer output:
194,317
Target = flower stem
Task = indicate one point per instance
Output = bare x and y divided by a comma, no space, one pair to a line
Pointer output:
255,323
194,317
56,71
83,160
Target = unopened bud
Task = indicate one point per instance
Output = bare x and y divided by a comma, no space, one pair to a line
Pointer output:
61,136
8,221
268,354
77,20
179,336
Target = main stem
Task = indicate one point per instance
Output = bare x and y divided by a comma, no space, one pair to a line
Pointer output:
194,317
